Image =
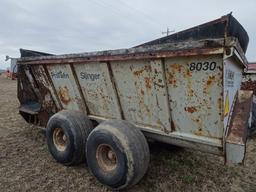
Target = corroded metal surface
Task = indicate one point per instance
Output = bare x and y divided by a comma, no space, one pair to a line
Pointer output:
240,118
46,89
204,47
249,81
195,94
66,87
142,92
39,86
25,90
181,96
237,133
181,93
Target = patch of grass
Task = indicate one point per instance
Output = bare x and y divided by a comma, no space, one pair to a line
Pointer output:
149,188
172,164
44,147
187,179
148,184
189,162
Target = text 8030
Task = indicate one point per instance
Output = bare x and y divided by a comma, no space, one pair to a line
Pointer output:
203,66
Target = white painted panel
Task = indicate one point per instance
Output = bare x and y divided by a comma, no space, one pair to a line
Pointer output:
235,153
98,90
195,89
66,87
142,92
232,83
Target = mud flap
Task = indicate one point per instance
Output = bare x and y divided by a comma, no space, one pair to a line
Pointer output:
235,145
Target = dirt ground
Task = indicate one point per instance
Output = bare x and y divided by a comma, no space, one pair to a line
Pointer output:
26,165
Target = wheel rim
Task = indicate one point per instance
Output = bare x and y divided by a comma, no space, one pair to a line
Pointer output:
59,139
106,157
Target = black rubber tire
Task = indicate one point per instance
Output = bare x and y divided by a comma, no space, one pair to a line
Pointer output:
77,128
130,147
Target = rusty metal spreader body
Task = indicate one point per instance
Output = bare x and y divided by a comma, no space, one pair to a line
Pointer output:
183,89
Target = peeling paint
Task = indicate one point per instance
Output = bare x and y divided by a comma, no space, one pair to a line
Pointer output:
64,95
190,109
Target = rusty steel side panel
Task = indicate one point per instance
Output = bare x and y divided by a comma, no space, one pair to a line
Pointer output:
98,89
40,86
47,106
240,118
183,49
50,101
195,89
66,86
237,134
25,90
142,92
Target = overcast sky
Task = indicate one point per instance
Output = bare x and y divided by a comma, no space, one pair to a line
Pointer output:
66,26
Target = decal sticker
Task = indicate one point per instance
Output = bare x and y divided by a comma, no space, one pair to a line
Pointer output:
230,76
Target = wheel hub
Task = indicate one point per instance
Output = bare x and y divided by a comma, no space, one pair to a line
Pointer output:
59,139
106,157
